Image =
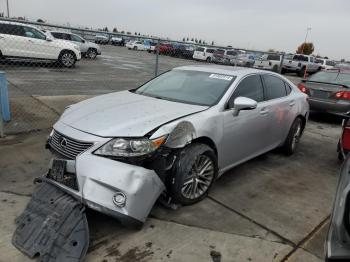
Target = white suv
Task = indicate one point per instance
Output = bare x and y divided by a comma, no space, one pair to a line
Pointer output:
28,42
203,53
87,48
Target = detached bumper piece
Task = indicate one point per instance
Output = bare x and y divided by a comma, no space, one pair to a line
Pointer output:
53,226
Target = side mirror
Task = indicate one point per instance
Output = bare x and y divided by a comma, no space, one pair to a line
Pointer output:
49,38
243,103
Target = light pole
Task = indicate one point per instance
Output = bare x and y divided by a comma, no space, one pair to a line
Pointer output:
8,8
307,33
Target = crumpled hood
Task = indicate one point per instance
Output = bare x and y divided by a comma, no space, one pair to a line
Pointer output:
124,114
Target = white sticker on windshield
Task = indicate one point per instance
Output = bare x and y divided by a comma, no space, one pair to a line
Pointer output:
222,77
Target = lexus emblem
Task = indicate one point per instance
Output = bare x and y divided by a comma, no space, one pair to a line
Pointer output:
63,143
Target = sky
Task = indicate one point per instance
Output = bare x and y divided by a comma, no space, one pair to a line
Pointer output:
250,24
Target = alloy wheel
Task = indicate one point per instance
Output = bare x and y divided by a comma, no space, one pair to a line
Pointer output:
67,59
92,54
199,178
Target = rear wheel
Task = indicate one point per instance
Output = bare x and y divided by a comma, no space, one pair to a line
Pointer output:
193,174
67,58
208,59
91,53
293,137
275,68
135,47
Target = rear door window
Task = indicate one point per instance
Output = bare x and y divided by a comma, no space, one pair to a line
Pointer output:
9,29
200,49
57,35
250,87
274,87
210,51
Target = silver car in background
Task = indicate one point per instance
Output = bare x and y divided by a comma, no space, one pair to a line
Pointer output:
174,135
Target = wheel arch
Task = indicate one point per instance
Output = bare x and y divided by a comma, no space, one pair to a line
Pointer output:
67,50
207,141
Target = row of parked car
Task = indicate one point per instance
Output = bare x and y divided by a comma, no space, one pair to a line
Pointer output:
22,41
292,63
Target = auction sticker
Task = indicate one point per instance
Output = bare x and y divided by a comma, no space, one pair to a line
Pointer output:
222,77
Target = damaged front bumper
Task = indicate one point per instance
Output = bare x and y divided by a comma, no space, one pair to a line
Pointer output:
124,191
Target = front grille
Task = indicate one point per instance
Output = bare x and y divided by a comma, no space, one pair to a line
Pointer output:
67,146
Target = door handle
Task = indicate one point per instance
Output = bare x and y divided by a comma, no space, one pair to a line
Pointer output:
264,111
291,103
1,37
31,41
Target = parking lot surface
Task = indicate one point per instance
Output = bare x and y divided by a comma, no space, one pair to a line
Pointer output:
272,208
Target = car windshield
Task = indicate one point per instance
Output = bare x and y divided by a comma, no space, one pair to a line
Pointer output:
273,57
331,77
191,87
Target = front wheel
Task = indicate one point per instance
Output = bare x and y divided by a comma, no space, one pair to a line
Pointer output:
67,59
193,174
91,53
208,59
293,137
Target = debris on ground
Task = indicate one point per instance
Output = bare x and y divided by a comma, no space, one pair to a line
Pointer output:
53,226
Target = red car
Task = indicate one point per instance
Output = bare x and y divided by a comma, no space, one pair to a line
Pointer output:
344,141
167,49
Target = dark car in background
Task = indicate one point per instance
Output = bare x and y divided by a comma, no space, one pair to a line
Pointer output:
184,51
328,91
167,49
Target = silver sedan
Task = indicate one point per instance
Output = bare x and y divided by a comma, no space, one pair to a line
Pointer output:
173,136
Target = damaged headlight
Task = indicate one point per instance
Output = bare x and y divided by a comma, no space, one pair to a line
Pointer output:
130,147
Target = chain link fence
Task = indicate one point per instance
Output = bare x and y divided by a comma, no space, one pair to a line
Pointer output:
48,67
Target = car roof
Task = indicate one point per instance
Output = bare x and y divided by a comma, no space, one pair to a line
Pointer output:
221,69
21,24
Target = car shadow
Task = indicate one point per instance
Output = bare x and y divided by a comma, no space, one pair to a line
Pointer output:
326,118
7,64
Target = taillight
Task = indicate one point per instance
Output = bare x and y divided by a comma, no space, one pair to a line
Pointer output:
302,88
344,95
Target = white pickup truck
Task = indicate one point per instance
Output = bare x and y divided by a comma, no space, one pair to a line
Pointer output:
298,63
270,62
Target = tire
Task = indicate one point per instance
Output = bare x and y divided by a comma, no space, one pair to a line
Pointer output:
135,48
208,60
275,68
293,137
283,71
301,72
67,58
91,53
187,184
